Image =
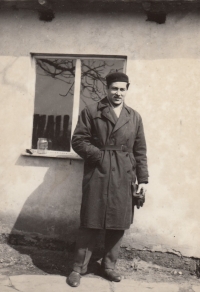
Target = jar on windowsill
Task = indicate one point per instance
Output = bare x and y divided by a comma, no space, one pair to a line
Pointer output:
42,146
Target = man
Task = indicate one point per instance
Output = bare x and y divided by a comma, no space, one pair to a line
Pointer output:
109,137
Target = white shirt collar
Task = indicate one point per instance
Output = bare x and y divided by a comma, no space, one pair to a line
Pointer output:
117,109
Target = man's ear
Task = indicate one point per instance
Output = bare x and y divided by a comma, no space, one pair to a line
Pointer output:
127,86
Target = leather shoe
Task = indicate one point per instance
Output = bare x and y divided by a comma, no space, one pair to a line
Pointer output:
74,279
111,275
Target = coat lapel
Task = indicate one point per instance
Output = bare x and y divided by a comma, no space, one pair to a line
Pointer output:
108,115
105,110
123,118
104,106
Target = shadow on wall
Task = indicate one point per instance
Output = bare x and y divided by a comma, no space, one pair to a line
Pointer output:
52,210
49,218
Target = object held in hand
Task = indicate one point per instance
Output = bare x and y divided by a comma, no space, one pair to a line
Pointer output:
138,198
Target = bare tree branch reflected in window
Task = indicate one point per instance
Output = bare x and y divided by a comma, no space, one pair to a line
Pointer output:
93,72
93,82
60,69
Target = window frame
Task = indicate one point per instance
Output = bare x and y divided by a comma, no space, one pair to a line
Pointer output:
76,98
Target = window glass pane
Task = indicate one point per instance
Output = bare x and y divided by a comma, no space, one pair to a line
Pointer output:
93,83
54,102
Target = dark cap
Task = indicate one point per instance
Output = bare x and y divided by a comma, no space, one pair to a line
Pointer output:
116,77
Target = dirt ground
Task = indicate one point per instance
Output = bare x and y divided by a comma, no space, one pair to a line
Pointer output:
19,260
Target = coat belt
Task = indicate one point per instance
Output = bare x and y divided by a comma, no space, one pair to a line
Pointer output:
122,148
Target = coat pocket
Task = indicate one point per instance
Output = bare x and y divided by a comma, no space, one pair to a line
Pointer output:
100,166
88,173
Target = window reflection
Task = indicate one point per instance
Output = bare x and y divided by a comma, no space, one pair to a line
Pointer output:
54,102
93,83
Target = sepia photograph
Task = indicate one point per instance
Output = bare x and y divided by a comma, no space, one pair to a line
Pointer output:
100,145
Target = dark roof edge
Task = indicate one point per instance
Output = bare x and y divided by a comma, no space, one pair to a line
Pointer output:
103,5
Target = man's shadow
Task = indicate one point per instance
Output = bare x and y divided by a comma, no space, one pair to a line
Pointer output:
47,225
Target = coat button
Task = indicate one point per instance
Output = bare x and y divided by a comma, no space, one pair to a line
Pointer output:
128,171
113,169
126,154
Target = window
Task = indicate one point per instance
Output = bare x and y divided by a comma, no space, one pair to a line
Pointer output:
64,86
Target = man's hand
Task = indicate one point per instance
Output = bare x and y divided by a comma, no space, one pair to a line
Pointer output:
142,189
140,194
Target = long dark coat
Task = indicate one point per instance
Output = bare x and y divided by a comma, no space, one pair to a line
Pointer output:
108,174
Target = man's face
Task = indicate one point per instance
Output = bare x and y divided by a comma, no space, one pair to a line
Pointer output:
117,92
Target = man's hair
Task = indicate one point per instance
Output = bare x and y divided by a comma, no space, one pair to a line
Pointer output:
117,77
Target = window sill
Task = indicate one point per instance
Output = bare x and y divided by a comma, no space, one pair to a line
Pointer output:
53,154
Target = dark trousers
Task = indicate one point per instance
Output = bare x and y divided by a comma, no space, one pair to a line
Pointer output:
86,242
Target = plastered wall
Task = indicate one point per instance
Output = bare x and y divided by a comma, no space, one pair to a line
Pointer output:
42,195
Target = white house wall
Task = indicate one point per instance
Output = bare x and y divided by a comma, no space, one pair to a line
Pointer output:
42,195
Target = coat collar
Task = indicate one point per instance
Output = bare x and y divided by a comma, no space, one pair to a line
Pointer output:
104,109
